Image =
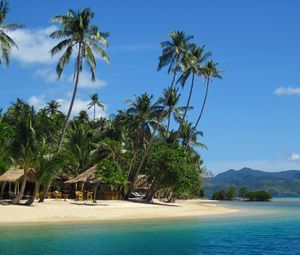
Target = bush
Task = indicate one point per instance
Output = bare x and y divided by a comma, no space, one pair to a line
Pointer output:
260,195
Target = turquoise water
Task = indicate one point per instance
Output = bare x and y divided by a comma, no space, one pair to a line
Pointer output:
259,228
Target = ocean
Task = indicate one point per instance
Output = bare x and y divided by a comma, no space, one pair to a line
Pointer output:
258,228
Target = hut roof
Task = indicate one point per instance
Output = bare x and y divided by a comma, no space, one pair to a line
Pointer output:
141,182
15,174
87,176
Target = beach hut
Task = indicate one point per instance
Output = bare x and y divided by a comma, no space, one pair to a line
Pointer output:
87,177
13,177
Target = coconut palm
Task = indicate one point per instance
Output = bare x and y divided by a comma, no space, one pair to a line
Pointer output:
211,71
6,42
172,54
173,51
77,33
193,64
95,102
52,107
189,135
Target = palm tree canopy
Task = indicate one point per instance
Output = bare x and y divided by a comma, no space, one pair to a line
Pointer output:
6,42
194,62
189,135
95,101
173,50
52,107
77,32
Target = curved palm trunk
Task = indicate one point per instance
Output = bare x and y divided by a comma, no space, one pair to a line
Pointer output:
151,191
189,100
17,199
94,112
68,116
147,149
30,201
43,195
73,98
203,105
169,120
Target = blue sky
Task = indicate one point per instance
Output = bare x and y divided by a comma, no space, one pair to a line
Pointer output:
251,117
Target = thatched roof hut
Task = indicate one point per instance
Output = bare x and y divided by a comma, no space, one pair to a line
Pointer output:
16,174
87,176
142,183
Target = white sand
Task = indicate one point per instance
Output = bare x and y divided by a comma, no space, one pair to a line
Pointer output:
74,211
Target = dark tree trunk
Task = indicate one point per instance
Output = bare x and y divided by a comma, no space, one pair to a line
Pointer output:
17,199
44,193
151,191
95,193
31,200
187,105
203,105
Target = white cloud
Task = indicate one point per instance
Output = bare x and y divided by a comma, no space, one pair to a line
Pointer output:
86,82
294,157
34,45
80,104
287,91
47,74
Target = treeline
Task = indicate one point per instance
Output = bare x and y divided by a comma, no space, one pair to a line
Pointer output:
137,140
231,194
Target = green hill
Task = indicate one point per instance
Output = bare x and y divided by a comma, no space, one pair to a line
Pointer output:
284,182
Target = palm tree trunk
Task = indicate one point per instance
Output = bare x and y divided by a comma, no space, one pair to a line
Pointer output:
169,120
44,194
188,102
151,191
17,199
95,193
147,149
68,115
94,112
203,105
72,100
32,198
2,190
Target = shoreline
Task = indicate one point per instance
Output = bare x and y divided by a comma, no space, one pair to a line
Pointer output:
107,211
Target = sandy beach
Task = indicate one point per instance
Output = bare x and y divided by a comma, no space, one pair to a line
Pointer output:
74,211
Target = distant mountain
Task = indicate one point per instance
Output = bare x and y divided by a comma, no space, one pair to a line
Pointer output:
285,182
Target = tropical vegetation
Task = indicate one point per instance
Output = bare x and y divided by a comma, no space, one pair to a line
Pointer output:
153,137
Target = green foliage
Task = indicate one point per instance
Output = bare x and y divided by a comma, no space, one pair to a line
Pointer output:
111,174
169,166
242,192
231,193
260,195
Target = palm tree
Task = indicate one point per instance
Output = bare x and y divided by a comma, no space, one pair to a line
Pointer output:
172,54
95,102
52,107
189,135
210,71
193,64
6,42
173,51
78,33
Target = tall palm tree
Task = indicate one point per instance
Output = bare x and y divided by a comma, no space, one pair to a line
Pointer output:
211,71
6,42
193,65
172,54
77,33
95,102
52,107
189,135
173,51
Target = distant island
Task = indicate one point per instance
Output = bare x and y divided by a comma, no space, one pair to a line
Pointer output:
276,183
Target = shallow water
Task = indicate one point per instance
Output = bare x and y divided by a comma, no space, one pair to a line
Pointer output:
258,228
